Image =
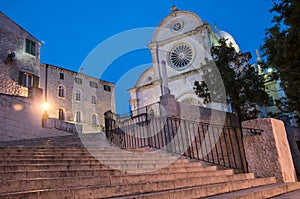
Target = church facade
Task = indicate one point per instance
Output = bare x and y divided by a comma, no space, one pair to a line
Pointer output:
180,47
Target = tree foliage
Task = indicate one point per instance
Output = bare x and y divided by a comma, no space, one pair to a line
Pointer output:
282,51
244,86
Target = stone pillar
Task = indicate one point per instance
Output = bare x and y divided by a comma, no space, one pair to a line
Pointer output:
165,85
169,106
269,154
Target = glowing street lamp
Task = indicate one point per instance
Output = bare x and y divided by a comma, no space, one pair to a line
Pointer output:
45,107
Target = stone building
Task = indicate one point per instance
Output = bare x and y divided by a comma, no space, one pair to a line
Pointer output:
73,97
19,59
76,97
180,47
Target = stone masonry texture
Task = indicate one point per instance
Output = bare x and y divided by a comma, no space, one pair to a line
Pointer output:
269,154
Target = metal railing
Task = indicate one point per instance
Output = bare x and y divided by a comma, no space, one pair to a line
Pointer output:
149,109
209,143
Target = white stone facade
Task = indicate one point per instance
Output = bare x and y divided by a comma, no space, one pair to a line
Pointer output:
180,47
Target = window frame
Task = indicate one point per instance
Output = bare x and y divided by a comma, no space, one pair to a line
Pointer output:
28,80
61,114
61,76
78,80
107,88
61,91
94,99
94,84
95,119
78,117
30,47
78,96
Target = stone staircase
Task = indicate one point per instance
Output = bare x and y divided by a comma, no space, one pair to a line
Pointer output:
64,168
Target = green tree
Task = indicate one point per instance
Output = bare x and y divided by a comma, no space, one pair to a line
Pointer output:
244,86
281,50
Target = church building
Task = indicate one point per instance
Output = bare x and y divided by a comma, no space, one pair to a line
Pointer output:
180,47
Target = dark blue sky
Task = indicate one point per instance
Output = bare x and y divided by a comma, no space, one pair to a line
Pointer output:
72,29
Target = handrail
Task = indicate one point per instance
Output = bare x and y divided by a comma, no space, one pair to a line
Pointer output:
212,143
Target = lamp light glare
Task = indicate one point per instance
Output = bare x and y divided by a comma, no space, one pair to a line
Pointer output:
46,106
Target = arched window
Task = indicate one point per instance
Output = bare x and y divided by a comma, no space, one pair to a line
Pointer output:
94,119
78,116
94,99
78,96
61,91
61,114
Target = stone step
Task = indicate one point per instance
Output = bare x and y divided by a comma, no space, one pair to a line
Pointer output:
267,191
201,191
90,161
55,183
163,189
65,149
87,157
199,172
98,165
108,157
107,153
290,195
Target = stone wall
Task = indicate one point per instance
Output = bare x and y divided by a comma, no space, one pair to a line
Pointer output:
21,118
197,113
9,86
12,38
62,125
269,154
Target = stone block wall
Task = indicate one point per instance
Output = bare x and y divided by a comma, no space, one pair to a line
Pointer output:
21,118
12,39
62,125
269,154
9,86
200,114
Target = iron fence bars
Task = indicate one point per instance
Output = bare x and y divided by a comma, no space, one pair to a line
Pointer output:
150,109
209,143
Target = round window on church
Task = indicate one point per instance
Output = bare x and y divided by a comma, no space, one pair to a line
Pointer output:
180,57
176,25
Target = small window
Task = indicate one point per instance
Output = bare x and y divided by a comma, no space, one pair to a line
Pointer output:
107,88
78,96
94,99
30,47
61,91
93,84
78,116
94,119
61,114
28,80
61,76
78,80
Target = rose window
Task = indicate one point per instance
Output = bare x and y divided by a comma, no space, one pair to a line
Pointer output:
180,57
